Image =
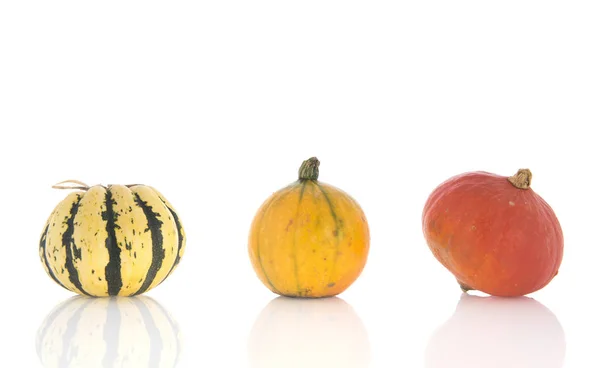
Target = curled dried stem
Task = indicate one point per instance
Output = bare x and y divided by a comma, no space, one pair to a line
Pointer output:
309,169
522,179
71,184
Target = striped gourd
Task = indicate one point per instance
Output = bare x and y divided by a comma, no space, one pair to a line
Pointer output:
108,332
111,240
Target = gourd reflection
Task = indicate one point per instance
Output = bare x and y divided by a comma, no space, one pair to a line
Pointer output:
493,332
108,332
291,332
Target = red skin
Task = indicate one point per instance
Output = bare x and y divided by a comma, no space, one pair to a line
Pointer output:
493,236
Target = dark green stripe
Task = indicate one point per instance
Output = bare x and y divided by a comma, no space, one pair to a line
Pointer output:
179,233
111,334
337,224
156,343
333,214
69,244
45,258
158,252
302,192
112,271
294,237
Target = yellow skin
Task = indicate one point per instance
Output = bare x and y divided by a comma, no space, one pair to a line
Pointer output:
75,253
309,240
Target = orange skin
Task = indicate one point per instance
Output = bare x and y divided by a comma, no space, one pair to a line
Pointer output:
492,236
309,240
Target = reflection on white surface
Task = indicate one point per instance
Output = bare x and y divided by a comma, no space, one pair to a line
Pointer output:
308,333
108,332
490,332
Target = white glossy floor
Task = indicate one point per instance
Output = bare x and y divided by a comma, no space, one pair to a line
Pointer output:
481,332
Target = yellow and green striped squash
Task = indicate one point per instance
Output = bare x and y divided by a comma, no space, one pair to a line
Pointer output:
112,240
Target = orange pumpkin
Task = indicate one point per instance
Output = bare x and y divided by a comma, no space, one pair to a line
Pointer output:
494,233
309,239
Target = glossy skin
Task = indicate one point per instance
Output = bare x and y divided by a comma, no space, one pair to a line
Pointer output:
310,240
492,236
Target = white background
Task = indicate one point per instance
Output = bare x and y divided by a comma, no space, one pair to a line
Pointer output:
216,104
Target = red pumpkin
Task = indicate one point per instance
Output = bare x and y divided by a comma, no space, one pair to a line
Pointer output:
494,233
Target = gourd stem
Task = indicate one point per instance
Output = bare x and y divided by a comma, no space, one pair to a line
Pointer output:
464,287
77,185
522,179
309,170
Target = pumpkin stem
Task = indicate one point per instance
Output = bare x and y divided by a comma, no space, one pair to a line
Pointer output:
522,179
309,169
78,185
